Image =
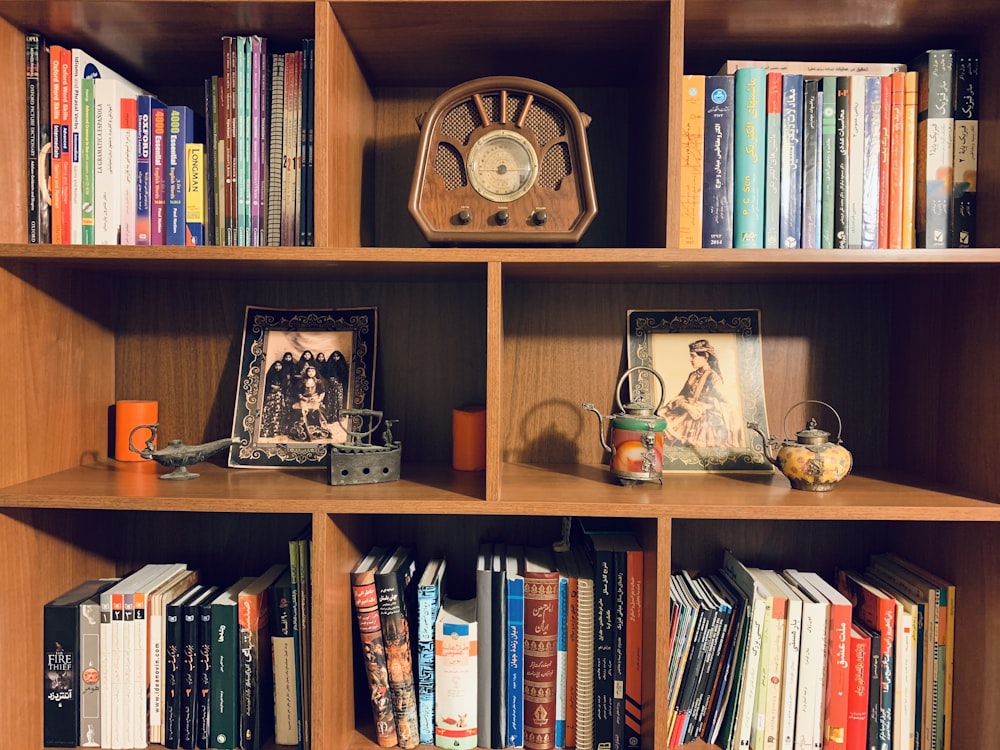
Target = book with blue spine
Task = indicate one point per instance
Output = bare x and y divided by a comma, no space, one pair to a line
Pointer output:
180,127
871,162
792,111
562,644
750,86
430,592
717,190
145,105
515,645
965,165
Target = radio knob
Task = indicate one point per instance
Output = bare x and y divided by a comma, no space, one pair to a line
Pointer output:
540,217
464,216
503,216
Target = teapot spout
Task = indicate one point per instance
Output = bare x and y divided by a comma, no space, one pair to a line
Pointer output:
767,443
600,425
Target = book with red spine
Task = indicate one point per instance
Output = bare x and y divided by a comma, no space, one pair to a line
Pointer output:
541,625
894,237
857,698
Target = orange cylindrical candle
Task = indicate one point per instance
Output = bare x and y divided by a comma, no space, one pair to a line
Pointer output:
468,428
129,414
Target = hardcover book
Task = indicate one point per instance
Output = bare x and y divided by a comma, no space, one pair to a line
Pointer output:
541,624
430,590
396,600
62,668
366,611
717,190
456,649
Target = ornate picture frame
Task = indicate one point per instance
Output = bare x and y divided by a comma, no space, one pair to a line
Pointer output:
712,361
298,370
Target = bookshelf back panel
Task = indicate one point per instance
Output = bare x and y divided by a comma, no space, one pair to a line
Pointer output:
430,358
571,338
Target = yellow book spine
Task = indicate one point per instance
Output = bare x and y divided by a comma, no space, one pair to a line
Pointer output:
692,160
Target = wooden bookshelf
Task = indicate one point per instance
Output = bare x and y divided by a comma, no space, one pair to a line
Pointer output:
902,343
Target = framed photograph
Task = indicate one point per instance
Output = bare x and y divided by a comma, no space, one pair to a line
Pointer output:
710,362
299,371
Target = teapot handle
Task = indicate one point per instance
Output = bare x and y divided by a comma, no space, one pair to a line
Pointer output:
840,425
618,391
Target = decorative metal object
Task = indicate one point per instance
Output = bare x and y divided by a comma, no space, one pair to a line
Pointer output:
358,460
177,455
811,462
636,436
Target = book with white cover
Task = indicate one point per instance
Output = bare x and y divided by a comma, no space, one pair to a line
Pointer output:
108,94
812,665
456,667
790,678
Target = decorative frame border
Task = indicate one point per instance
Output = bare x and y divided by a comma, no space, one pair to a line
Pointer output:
359,324
656,336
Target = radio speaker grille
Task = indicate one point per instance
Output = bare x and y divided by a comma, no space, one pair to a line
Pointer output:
449,167
554,167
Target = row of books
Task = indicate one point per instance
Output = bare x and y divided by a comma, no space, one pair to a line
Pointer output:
110,163
162,656
547,654
788,154
762,658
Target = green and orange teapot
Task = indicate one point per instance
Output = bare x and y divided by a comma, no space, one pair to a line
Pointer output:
811,461
635,436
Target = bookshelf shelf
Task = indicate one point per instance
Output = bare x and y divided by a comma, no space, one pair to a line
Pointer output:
903,343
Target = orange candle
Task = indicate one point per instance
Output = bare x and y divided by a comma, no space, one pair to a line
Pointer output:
468,427
130,414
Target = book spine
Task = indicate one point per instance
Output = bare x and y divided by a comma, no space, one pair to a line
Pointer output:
717,189
305,177
541,624
286,730
120,667
61,712
856,161
194,194
288,237
828,178
633,649
841,165
219,160
857,701
750,87
911,83
90,673
966,149
935,140
894,238
812,148
585,666
275,150
104,730
620,634
428,602
34,126
603,648
172,676
515,662
256,138
55,129
224,715
204,676
188,715
248,613
772,168
127,174
211,112
562,656
692,160
884,156
143,170
227,134
180,123
870,159
838,677
158,177
396,638
107,112
792,112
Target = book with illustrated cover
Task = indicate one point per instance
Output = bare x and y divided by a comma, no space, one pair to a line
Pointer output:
717,190
256,675
456,648
430,590
871,161
396,601
366,610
